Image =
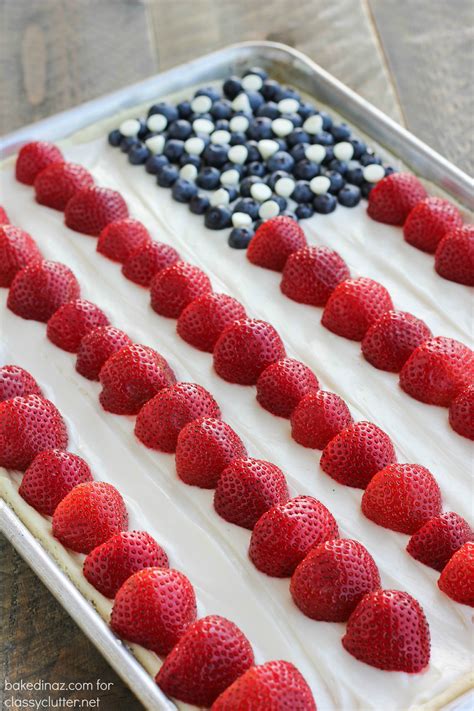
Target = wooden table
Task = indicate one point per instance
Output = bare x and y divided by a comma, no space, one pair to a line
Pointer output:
412,58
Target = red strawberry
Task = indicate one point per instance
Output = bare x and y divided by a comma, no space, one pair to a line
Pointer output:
247,488
50,477
284,535
17,382
391,340
17,250
273,686
274,241
454,258
33,157
311,274
205,447
91,209
439,538
29,425
438,370
203,320
209,657
89,515
148,260
357,453
457,578
4,219
96,347
174,287
354,305
245,349
318,418
131,377
58,182
109,565
429,221
72,321
38,290
402,497
388,630
154,608
332,579
461,412
282,384
121,238
160,420
393,197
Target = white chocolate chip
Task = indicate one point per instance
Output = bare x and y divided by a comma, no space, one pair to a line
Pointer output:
201,104
239,124
267,147
343,150
220,137
284,187
203,125
288,106
268,209
373,173
238,154
316,153
155,144
157,122
219,197
241,219
130,127
242,103
194,146
282,127
252,82
313,124
230,177
260,192
188,172
320,184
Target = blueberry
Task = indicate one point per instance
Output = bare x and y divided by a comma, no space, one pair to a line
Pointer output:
237,138
154,163
181,129
144,130
369,159
127,142
304,210
359,147
338,166
217,218
167,175
260,127
171,112
240,237
297,136
324,204
221,109
206,116
280,161
327,120
209,91
247,205
222,125
247,183
306,169
114,138
138,154
199,203
365,189
271,90
269,109
233,192
257,224
174,149
274,177
337,181
355,176
282,202
295,119
183,190
257,70
324,138
291,215
341,132
329,154
389,170
184,109
290,93
215,155
187,159
255,99
256,168
302,192
349,196
232,87
298,152
283,146
208,178
241,169
306,109
253,152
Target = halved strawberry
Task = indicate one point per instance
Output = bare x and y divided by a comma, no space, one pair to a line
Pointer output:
148,260
33,158
354,305
111,563
318,418
96,348
4,219
388,630
274,241
461,412
439,538
28,426
357,453
93,208
50,477
121,238
454,258
154,608
58,182
174,287
72,321
17,382
209,657
17,250
284,535
38,290
203,320
429,221
457,577
394,197
311,274
282,384
391,340
205,447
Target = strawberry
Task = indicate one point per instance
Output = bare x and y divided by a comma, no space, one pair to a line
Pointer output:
72,321
332,579
148,260
392,199
17,250
111,563
457,577
354,305
50,477
203,320
205,447
391,340
461,412
96,347
357,453
438,370
273,686
428,222
17,382
311,274
160,420
318,418
247,488
33,158
454,258
274,241
89,515
174,287
209,657
58,182
284,535
282,384
244,349
122,238
402,497
439,538
93,208
39,289
4,219
388,630
154,608
131,377
28,426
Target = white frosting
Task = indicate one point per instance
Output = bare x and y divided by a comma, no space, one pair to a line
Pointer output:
252,82
282,127
157,122
313,124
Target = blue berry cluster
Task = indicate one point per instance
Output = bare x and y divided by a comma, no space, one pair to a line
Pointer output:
251,152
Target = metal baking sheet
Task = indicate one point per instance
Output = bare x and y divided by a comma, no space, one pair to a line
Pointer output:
291,67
